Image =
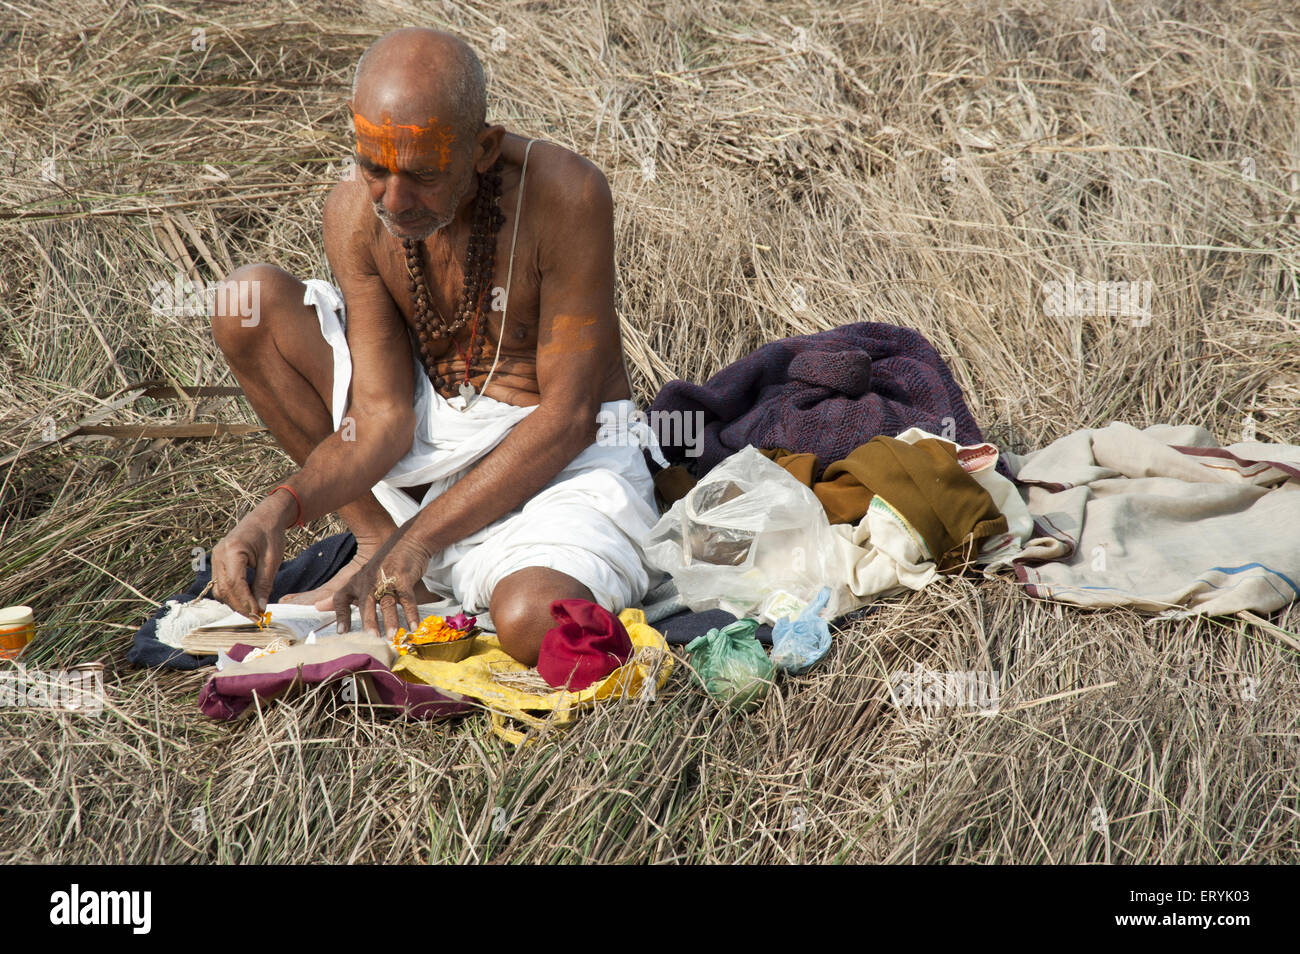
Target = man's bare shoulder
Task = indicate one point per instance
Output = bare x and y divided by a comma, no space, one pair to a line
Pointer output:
348,222
567,185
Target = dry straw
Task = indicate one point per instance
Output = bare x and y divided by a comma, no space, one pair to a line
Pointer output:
814,164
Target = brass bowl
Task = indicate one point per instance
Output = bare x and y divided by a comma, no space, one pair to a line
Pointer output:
453,651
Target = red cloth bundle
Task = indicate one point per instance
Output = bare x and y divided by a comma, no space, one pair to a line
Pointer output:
587,643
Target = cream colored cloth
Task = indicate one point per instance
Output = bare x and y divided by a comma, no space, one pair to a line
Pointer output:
586,522
884,553
1162,518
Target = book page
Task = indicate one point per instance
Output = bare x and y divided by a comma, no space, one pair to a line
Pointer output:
303,619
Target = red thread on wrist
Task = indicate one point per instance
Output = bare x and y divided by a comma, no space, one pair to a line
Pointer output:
298,522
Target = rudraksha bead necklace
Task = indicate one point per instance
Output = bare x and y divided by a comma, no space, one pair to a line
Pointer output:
480,261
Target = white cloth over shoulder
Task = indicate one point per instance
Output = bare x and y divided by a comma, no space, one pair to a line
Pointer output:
586,522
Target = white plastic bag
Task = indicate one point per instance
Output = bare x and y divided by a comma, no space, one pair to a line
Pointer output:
749,536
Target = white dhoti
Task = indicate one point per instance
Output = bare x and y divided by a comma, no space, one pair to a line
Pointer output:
587,522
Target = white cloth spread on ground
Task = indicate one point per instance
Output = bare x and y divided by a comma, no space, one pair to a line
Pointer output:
1163,518
586,522
182,619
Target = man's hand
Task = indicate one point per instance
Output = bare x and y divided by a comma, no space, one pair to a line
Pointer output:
400,559
256,541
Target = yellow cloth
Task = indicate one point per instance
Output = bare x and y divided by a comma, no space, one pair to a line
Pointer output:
473,677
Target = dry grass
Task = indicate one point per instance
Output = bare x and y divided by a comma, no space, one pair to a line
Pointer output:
823,169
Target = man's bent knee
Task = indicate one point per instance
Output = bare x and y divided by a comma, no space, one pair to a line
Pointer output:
242,303
521,608
520,626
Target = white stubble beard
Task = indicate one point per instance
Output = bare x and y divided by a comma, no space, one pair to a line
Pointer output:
392,227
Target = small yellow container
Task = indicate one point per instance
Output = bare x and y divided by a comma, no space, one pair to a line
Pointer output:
17,629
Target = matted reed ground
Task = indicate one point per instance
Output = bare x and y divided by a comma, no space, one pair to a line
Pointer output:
1165,151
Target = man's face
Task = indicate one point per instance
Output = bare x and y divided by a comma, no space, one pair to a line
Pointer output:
418,175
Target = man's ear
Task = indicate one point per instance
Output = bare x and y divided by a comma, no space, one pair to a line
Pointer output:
488,147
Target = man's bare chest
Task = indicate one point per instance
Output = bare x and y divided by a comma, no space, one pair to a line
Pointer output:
444,276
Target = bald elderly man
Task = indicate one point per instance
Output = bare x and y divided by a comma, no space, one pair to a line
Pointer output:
446,398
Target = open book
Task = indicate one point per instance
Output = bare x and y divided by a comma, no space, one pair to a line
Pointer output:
206,626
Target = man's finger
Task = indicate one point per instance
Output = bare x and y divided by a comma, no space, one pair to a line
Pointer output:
262,583
369,621
343,608
389,607
412,612
233,584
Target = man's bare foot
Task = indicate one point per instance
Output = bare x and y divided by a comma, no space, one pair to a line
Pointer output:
322,598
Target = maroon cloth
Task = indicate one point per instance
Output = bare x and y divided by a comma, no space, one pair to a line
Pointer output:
226,697
824,394
587,644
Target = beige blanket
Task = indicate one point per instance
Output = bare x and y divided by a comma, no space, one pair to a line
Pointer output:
1161,519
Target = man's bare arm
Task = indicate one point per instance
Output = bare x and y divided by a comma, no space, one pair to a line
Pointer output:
342,469
338,471
578,340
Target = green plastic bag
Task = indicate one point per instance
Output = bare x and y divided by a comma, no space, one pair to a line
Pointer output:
733,665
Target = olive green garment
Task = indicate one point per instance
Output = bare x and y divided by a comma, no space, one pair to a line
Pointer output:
923,481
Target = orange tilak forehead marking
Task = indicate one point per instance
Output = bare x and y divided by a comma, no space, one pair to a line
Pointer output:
386,143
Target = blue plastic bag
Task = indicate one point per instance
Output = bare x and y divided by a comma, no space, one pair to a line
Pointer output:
799,644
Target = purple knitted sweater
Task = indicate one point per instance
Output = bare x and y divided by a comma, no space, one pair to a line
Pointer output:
826,393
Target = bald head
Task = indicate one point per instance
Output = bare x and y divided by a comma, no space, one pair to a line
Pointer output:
416,73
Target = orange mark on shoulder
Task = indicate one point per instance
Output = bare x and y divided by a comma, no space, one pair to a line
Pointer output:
571,324
569,335
560,347
387,143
